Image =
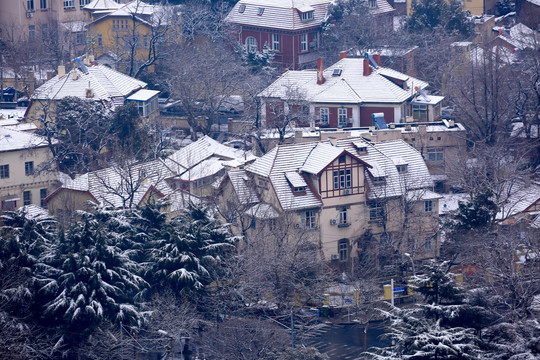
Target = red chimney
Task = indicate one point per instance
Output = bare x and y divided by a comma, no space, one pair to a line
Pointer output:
377,58
367,69
320,76
342,54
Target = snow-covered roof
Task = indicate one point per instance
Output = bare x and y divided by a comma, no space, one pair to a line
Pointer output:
240,182
382,7
321,155
34,212
350,87
11,140
203,149
281,160
143,95
431,99
11,114
103,5
295,179
262,211
205,168
381,157
284,164
74,26
278,14
106,83
520,199
114,186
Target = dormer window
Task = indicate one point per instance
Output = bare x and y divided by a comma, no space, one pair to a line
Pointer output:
372,4
297,182
379,180
402,169
307,16
260,11
242,8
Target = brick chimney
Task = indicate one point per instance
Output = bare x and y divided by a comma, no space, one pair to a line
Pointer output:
342,54
320,76
377,58
367,69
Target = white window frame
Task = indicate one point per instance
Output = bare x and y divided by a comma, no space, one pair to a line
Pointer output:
29,168
376,210
309,219
402,169
251,44
420,112
4,171
304,42
69,4
307,16
43,4
342,117
428,206
30,5
435,154
27,197
343,216
372,4
275,42
324,115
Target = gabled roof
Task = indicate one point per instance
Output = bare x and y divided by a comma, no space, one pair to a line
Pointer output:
350,87
202,149
245,193
106,83
278,14
146,13
383,7
113,185
383,157
520,199
103,5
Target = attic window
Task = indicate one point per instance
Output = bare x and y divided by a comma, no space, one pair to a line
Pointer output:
336,72
307,16
379,180
372,4
260,11
299,189
242,8
402,169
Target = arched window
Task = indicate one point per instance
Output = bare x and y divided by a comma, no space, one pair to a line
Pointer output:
251,44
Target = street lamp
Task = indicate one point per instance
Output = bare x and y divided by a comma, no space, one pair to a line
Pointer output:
412,262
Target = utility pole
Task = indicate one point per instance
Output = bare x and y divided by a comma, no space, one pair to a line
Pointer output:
292,328
392,291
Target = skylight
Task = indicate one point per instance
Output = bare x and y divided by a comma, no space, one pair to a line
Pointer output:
242,8
260,11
